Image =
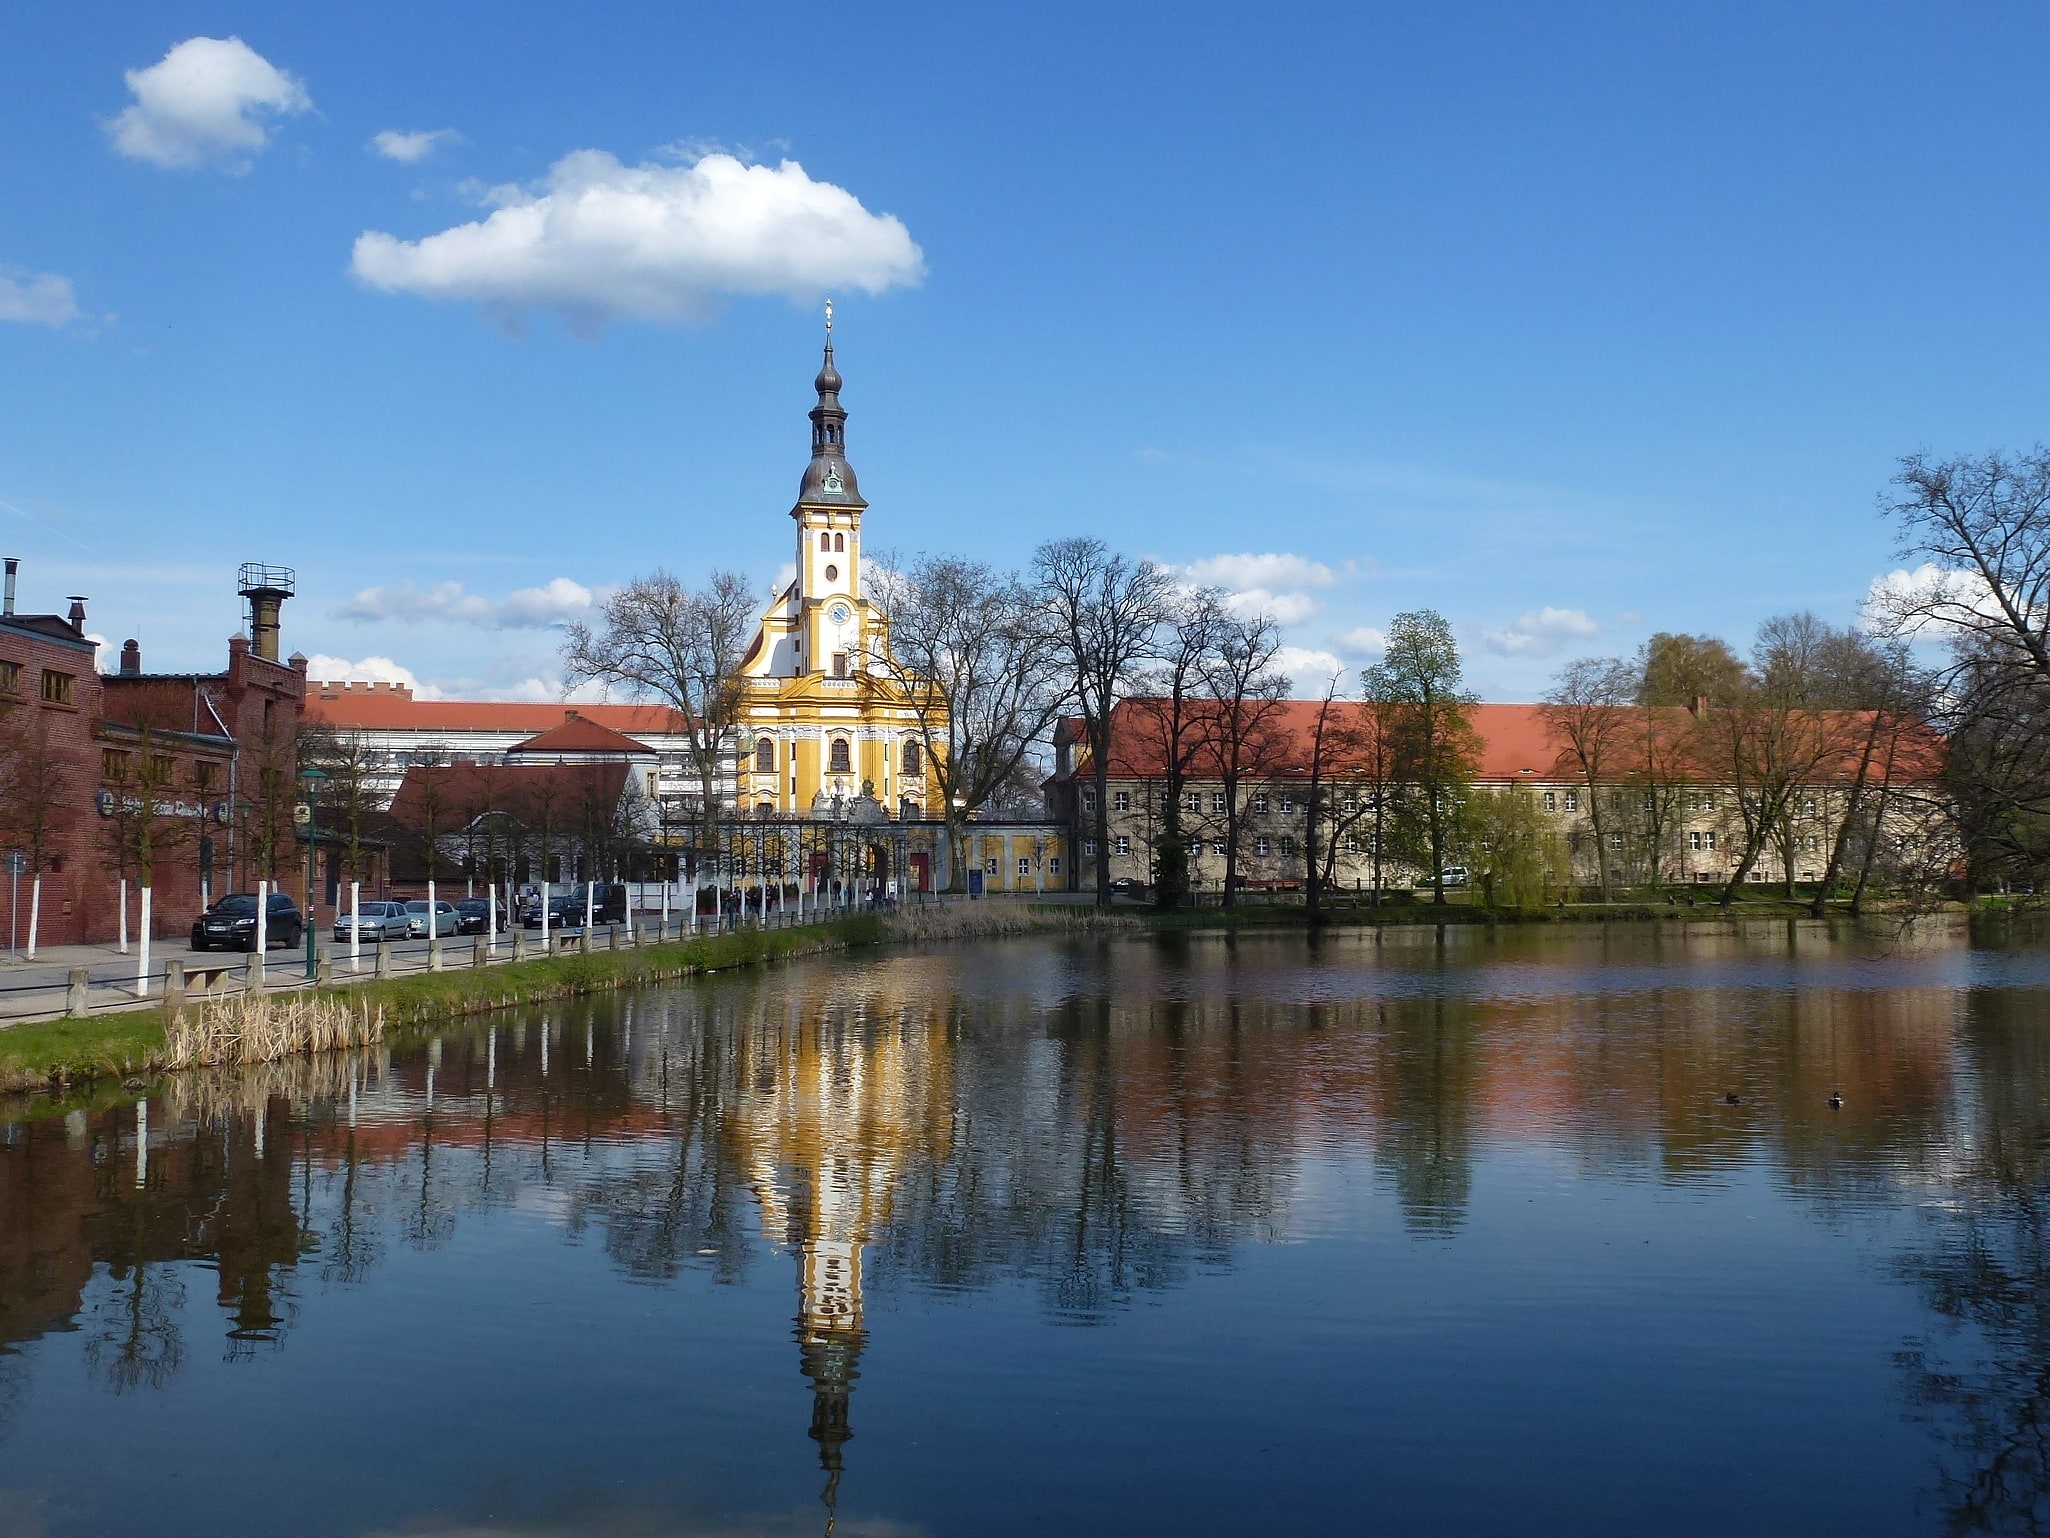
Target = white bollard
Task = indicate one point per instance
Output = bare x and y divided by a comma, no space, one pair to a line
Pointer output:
35,912
355,926
491,922
544,918
262,936
590,913
142,950
124,916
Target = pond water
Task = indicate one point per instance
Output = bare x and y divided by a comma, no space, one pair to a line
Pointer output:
1540,1231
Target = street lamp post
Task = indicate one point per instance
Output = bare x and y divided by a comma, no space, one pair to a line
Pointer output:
309,781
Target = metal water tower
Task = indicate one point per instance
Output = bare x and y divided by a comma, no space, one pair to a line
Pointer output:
266,588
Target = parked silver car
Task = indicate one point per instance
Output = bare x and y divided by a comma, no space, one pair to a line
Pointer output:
379,921
446,920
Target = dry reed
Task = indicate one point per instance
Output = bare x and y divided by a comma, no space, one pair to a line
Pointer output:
264,1028
963,921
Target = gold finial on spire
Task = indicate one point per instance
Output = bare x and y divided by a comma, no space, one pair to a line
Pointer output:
829,320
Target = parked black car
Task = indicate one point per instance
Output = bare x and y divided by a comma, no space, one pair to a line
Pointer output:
566,909
473,916
230,924
1132,887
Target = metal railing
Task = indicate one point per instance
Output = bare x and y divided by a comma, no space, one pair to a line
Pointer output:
115,983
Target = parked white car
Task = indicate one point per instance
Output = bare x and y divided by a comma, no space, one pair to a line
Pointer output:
379,921
445,918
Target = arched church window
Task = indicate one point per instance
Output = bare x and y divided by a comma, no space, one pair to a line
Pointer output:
842,758
765,756
839,542
825,541
914,759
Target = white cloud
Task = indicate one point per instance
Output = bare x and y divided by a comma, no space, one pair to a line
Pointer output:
1287,608
411,148
1539,633
1911,603
1365,640
598,241
1273,570
36,298
1275,583
206,101
1308,668
321,668
529,608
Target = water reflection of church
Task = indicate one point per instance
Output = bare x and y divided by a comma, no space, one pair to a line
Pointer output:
832,1106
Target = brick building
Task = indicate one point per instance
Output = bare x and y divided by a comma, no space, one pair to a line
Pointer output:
191,776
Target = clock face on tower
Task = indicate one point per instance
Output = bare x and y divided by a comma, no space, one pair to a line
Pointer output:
839,613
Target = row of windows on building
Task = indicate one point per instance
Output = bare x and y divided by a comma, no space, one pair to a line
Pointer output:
1259,804
57,688
828,543
992,865
1261,845
839,757
119,766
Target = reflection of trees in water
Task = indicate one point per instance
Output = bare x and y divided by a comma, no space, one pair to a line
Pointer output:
1432,1077
1985,1385
132,1334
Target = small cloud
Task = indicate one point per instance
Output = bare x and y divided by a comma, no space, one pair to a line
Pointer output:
785,575
36,298
207,101
412,148
1364,641
1308,668
1275,583
597,242
1540,633
1629,617
1286,608
321,668
1913,603
529,608
1273,570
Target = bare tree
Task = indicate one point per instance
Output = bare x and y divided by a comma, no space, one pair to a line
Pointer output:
657,639
1589,712
352,763
1173,725
36,776
981,674
1249,696
1775,743
1980,527
1335,751
1102,610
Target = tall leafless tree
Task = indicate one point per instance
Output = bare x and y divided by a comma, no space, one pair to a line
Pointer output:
1589,712
657,639
983,677
1174,725
1249,703
1102,610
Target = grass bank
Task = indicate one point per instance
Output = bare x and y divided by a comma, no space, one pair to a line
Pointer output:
74,1058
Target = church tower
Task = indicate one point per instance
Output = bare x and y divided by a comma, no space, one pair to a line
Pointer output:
834,623
827,726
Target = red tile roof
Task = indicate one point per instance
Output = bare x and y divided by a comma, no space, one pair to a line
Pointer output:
397,710
1517,742
579,734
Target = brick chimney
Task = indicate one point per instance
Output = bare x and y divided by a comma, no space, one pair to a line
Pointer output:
131,658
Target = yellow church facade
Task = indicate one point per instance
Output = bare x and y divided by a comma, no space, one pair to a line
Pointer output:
825,731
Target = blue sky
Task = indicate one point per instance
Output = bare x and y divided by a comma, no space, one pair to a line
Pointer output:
1572,322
